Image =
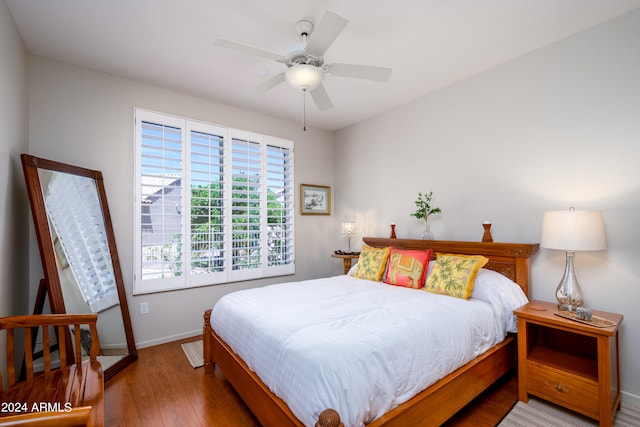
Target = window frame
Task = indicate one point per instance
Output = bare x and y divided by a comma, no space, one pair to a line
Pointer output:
228,275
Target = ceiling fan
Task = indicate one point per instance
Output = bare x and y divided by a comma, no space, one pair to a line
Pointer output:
305,63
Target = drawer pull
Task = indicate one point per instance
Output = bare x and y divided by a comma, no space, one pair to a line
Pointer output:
557,386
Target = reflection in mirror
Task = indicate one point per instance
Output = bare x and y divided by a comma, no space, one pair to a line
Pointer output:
82,254
79,255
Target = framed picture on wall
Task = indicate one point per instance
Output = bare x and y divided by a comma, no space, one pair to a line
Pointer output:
60,255
315,199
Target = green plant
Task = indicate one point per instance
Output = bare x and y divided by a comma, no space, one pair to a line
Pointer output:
424,209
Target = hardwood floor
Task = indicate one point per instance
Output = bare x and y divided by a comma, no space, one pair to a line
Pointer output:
490,407
162,389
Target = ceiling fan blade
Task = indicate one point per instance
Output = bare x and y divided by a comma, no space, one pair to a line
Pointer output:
269,84
321,98
366,72
325,33
248,49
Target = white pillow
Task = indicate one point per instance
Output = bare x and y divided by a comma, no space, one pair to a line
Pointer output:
352,269
503,294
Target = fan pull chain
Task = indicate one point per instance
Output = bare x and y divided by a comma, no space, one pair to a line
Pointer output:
304,110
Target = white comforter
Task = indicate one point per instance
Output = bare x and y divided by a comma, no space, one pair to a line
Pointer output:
357,346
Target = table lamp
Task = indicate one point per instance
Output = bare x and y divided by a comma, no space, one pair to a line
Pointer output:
349,229
572,231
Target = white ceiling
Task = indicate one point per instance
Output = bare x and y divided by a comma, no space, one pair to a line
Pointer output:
429,44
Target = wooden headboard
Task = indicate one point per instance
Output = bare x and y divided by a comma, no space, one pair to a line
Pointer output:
509,259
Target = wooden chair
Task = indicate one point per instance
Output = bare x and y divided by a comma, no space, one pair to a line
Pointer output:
70,395
76,417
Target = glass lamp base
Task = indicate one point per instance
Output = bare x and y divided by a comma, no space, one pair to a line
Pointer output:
568,307
568,293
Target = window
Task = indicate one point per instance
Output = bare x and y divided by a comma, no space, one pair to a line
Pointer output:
213,204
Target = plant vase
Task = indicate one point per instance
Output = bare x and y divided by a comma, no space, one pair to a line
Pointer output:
427,234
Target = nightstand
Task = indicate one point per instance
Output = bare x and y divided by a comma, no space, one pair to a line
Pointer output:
347,259
572,364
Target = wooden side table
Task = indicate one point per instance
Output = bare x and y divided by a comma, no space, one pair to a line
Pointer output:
572,364
347,259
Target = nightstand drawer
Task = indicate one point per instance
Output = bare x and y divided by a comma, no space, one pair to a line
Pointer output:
562,388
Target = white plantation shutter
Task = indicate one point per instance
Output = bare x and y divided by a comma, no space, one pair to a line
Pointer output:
280,198
75,213
160,203
214,205
206,204
246,203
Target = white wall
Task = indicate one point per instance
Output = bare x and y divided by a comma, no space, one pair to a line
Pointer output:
553,129
559,127
85,118
14,205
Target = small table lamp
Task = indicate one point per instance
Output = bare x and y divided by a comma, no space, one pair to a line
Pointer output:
572,231
349,229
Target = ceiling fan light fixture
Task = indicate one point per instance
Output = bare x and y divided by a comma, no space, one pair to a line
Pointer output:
305,76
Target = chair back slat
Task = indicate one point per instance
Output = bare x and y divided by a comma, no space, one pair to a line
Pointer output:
95,343
28,351
46,349
78,349
11,365
62,345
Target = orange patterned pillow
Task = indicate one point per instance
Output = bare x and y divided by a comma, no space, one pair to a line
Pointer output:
454,275
408,268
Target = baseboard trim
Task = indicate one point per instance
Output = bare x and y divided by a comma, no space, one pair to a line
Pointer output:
630,397
171,338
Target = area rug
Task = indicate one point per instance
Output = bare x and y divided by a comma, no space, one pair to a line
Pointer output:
193,351
538,413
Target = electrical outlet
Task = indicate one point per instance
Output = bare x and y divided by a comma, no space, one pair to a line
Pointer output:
144,308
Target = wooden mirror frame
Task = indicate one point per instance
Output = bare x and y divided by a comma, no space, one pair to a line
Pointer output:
30,166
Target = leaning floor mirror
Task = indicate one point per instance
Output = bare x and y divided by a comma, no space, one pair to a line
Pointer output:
78,251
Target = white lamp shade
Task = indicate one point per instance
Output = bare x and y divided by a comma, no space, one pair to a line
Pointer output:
573,231
348,228
304,76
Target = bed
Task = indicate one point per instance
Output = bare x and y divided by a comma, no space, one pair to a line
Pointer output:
430,406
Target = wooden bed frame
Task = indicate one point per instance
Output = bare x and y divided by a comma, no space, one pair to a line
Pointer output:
434,405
